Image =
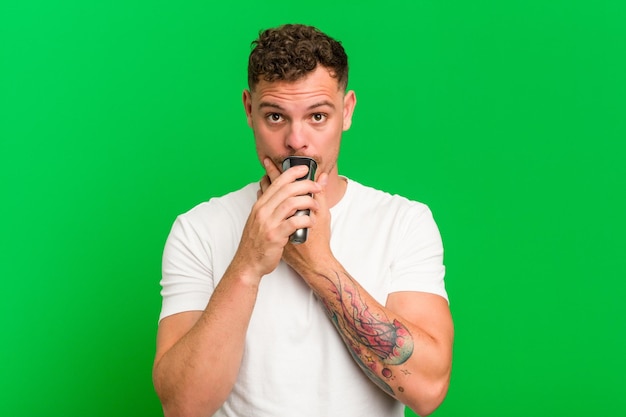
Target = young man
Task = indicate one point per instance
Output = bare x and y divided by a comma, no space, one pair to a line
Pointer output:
353,322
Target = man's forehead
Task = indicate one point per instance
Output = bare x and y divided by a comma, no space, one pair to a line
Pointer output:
321,77
283,107
288,101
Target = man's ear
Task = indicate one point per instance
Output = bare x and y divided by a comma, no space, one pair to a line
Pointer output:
349,103
247,105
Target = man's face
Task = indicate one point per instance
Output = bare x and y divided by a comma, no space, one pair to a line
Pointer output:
304,118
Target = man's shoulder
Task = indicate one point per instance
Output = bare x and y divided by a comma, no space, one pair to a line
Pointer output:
369,196
228,205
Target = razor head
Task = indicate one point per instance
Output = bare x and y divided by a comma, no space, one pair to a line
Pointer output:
292,161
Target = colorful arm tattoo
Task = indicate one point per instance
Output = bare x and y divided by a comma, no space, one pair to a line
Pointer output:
373,339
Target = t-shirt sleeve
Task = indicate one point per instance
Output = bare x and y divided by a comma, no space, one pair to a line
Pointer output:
187,276
418,265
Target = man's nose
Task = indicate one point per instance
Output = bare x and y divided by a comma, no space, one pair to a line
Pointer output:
296,136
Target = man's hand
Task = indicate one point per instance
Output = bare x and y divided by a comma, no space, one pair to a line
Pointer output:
271,220
194,374
317,246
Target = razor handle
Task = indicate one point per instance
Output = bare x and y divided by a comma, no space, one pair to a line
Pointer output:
300,235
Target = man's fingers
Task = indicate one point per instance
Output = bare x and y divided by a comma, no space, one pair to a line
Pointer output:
264,184
322,179
290,175
272,170
320,197
288,207
279,180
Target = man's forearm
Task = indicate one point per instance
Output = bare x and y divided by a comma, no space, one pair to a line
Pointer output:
196,374
374,340
396,354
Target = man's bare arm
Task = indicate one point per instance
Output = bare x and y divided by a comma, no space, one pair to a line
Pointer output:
404,347
199,353
195,365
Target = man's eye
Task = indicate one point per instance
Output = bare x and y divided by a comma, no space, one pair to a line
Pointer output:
274,117
318,117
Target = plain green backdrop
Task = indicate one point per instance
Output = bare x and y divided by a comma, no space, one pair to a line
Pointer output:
506,117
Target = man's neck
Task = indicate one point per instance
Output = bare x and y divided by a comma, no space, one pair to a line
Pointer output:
335,189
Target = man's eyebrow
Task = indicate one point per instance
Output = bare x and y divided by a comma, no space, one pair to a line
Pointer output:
264,104
269,104
321,104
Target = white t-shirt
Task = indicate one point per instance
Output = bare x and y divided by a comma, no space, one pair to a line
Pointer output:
295,362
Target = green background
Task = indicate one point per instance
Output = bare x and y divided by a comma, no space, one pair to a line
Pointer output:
506,117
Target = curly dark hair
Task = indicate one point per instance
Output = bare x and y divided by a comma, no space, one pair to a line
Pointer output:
290,52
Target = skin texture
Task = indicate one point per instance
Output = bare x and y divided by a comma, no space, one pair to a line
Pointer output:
404,346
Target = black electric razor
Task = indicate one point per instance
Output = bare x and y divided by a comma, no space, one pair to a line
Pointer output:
300,235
